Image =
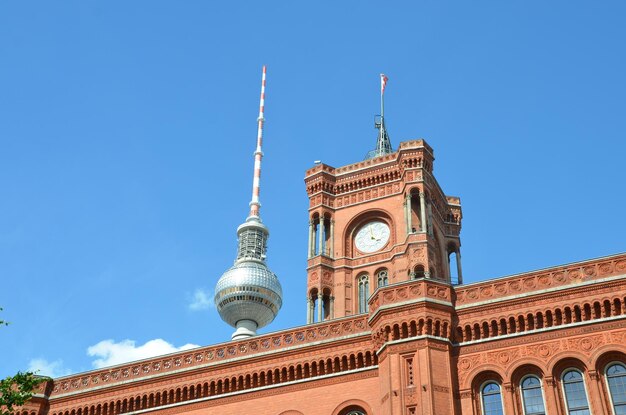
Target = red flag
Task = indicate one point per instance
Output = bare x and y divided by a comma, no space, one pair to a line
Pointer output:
383,82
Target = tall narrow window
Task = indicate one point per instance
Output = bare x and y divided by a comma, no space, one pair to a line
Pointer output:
364,286
382,278
616,378
575,394
491,399
320,237
532,396
454,264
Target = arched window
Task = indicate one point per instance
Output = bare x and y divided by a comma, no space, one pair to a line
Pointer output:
616,378
382,278
364,290
491,399
419,272
532,396
575,394
353,410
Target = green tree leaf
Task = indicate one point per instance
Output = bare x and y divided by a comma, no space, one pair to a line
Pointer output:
16,390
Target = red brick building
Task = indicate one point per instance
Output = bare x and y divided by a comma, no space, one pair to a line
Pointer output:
391,328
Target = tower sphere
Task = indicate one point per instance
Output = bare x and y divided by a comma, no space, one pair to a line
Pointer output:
248,291
249,295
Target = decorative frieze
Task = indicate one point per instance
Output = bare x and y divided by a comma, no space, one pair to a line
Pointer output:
410,290
540,349
541,280
212,355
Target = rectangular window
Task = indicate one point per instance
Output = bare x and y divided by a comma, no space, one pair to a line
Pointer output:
410,377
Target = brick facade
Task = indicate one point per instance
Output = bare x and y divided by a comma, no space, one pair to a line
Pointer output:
427,343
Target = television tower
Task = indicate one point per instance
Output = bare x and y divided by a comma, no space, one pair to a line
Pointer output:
249,295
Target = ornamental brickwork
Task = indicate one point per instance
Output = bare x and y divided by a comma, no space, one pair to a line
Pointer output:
390,328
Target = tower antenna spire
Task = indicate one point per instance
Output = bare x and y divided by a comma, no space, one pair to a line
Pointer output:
255,205
383,143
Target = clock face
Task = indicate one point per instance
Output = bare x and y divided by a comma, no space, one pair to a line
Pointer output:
372,236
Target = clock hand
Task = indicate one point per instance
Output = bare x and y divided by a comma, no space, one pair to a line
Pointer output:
375,236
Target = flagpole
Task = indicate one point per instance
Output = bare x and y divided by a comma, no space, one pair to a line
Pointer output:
382,113
383,145
382,99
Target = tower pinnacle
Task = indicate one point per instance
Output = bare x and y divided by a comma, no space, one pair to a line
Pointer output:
249,295
383,143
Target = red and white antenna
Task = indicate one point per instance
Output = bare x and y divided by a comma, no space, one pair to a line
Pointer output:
255,205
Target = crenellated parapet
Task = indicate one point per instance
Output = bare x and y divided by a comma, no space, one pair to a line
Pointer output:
375,178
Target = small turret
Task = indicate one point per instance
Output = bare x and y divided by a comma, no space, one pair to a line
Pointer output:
383,143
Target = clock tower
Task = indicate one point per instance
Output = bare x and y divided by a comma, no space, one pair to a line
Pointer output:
381,221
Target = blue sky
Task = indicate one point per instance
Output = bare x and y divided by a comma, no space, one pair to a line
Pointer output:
127,131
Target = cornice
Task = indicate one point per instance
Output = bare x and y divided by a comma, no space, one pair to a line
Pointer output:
422,338
422,299
545,292
209,365
410,292
397,250
189,361
404,146
562,267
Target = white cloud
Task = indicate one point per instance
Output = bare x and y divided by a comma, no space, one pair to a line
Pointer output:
110,353
43,367
201,300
